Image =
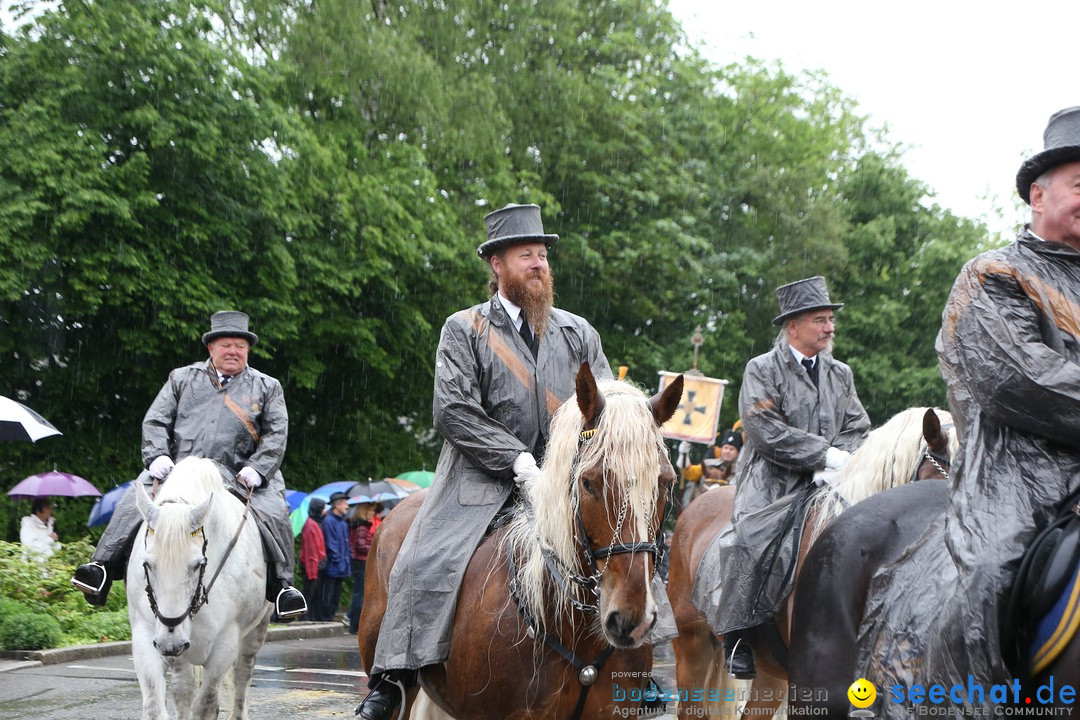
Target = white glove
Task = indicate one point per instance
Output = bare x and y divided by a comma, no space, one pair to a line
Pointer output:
824,477
250,476
525,471
835,458
161,467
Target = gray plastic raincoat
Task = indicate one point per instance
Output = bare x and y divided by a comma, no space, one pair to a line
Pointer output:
492,402
747,572
1009,349
243,423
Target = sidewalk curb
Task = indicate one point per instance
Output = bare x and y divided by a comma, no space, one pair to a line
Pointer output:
17,659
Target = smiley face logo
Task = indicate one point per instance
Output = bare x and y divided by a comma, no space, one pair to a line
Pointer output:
862,693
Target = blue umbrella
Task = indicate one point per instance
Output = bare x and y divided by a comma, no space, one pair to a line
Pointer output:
105,505
299,514
294,498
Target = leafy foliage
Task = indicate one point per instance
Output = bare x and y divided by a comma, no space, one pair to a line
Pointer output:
28,586
29,631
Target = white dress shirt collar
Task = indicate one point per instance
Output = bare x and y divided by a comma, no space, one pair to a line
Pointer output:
512,311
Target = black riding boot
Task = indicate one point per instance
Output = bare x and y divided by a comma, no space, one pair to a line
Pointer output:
388,690
739,656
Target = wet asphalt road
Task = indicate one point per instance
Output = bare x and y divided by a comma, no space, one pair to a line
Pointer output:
311,678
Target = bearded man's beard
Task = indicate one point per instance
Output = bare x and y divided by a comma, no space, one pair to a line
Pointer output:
534,298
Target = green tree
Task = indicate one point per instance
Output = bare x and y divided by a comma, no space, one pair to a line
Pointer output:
903,258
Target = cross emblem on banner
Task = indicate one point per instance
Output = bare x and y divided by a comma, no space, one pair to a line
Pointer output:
689,407
698,412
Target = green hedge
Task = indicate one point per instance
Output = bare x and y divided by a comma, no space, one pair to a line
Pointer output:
29,631
32,589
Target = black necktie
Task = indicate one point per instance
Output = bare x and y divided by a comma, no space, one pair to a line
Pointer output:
811,369
527,336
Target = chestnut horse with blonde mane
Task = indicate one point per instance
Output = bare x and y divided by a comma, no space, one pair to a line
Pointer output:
915,444
554,614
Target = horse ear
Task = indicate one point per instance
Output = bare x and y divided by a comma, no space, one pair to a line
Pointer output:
146,506
589,399
931,431
665,403
198,513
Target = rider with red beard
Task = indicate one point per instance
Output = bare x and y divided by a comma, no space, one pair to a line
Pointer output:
501,370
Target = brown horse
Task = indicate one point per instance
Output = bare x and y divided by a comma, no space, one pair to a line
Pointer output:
915,444
556,607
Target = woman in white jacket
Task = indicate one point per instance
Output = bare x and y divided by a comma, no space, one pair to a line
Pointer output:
37,534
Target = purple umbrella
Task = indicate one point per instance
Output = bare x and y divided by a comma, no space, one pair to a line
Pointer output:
53,483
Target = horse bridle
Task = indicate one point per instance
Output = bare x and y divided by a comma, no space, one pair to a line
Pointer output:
592,556
588,672
201,595
198,597
940,462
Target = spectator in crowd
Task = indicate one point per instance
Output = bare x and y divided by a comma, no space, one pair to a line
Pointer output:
336,534
38,533
313,555
360,534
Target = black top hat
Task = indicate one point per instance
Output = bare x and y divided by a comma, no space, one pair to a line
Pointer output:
1061,144
513,225
338,496
802,296
733,437
229,323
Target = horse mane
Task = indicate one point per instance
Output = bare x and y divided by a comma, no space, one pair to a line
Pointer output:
887,459
628,443
191,481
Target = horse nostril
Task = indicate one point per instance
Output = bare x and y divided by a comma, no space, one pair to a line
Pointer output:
618,625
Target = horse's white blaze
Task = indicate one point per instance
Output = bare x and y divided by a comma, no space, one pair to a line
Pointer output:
648,617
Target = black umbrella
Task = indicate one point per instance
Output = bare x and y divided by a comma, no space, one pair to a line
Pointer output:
18,422
389,490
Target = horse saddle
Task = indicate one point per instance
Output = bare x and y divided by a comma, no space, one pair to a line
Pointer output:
1047,574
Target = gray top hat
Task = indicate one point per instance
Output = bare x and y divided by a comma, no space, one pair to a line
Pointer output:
1061,144
229,323
512,225
802,296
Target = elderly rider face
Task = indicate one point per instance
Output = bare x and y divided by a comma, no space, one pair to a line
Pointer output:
812,331
229,354
1055,205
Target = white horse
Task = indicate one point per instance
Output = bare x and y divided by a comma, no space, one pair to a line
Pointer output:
194,597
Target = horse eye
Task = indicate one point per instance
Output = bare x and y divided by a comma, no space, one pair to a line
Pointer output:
586,484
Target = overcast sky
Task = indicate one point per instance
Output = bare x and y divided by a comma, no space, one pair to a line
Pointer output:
967,87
